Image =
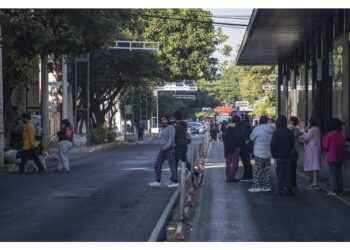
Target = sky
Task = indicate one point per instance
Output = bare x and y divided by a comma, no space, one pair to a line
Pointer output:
235,35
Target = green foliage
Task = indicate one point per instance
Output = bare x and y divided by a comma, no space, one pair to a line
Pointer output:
238,83
111,136
100,135
185,47
208,113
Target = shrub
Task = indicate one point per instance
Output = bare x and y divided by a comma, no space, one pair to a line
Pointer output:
111,136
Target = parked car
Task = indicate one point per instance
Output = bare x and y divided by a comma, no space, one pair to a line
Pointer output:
194,127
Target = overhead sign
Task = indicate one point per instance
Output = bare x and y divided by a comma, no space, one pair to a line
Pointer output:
186,97
177,88
243,105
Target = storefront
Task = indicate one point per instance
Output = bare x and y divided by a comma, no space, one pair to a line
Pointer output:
311,49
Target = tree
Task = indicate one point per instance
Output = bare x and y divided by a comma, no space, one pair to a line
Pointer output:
186,47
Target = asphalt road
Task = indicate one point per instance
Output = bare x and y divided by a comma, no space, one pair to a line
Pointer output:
227,212
106,197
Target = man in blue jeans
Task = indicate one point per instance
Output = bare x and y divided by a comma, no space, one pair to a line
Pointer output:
181,142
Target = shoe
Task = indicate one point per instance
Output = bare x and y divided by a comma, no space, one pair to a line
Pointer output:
65,170
155,184
254,190
331,193
313,187
244,179
199,178
59,170
265,189
235,180
174,184
42,171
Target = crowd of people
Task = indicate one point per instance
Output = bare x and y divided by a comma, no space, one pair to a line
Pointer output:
269,139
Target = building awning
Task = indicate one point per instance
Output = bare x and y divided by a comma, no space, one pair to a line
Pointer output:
272,34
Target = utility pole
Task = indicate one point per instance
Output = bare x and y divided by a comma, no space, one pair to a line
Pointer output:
44,101
1,107
64,89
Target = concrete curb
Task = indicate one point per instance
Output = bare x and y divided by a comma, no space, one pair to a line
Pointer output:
159,231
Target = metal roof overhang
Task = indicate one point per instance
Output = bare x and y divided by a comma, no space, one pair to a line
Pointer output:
272,34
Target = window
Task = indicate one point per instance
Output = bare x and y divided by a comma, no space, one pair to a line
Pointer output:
337,84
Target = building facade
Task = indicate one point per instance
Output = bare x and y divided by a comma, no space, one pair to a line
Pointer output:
311,49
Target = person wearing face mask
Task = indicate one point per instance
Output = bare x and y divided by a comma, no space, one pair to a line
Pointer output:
29,144
167,152
65,137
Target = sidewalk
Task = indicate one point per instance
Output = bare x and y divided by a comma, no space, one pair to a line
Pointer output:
78,150
228,212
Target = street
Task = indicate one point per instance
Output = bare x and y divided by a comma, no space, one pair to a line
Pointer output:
228,212
106,197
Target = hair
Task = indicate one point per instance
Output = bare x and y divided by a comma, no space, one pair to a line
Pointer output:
164,116
281,122
66,123
26,116
178,115
294,120
263,119
335,124
236,119
313,121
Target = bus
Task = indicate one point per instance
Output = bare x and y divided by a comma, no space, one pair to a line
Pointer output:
223,113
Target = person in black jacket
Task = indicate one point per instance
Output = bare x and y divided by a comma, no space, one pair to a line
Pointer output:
246,149
181,142
282,146
232,145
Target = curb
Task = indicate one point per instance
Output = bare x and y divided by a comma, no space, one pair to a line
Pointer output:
159,231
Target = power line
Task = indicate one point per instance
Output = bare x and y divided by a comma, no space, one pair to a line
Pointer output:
197,21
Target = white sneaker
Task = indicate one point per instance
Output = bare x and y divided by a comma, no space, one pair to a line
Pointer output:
254,190
171,185
155,184
265,189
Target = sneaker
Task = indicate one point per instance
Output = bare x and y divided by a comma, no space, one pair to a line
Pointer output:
235,180
59,170
331,193
265,189
254,190
65,170
155,184
313,187
174,184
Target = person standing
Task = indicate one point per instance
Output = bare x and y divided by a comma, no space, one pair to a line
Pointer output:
246,150
140,130
167,152
212,130
293,123
312,151
181,145
65,138
29,145
333,142
282,146
232,145
261,137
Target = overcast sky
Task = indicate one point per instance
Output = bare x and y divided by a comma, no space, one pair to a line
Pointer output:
235,35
